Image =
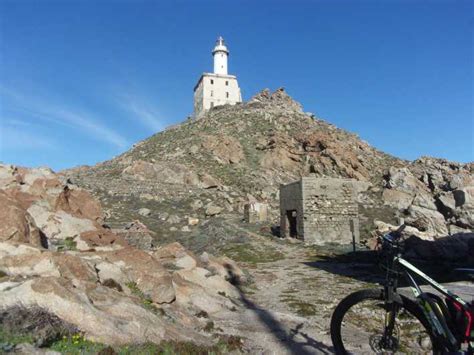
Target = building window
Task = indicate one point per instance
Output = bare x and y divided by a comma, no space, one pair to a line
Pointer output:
226,83
212,81
212,104
227,94
212,93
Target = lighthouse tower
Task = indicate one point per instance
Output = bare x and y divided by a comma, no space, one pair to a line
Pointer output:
220,54
217,88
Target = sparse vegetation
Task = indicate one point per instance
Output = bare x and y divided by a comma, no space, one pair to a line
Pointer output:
303,309
146,302
8,338
249,253
133,287
32,325
224,345
67,244
202,314
76,344
209,327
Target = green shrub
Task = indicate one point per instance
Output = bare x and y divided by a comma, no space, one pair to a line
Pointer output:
67,244
76,344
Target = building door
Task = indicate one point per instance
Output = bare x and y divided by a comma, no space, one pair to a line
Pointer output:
292,223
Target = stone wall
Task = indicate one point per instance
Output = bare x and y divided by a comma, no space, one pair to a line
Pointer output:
326,210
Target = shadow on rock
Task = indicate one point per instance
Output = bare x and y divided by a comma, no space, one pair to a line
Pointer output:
41,326
456,249
439,259
284,336
359,265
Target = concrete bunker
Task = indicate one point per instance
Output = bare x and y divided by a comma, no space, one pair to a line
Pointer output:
320,210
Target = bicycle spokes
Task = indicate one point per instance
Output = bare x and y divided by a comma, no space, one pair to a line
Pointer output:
369,328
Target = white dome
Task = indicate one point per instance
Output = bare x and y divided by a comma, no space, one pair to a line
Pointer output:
220,46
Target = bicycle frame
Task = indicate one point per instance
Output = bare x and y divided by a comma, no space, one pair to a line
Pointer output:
416,289
438,325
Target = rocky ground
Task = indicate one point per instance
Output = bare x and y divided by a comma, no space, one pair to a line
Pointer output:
59,261
148,253
69,284
294,289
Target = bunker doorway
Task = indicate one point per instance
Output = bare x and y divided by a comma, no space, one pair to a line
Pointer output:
292,223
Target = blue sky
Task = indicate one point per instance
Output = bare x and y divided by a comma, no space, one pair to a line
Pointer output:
81,81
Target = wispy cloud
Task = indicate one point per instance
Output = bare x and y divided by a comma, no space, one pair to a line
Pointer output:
16,123
65,116
20,139
91,126
144,112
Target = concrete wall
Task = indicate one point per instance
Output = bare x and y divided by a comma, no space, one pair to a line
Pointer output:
215,90
328,208
291,198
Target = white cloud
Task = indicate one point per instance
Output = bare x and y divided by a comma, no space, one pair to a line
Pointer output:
19,139
91,127
147,115
17,123
70,117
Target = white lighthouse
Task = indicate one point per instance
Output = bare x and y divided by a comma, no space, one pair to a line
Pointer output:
217,88
220,54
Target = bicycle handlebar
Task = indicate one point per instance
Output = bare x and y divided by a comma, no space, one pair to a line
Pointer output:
398,233
393,236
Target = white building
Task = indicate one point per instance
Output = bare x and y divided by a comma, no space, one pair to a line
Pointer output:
217,88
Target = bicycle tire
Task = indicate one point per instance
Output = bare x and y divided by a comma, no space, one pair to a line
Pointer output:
377,295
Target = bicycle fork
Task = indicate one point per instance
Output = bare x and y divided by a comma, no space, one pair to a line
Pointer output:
388,340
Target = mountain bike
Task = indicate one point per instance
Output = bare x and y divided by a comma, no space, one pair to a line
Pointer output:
385,320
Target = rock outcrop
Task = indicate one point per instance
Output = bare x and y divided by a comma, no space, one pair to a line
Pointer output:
56,256
433,195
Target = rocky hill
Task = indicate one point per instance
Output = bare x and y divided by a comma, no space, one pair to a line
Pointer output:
66,279
186,182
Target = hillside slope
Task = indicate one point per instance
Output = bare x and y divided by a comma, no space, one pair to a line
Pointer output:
208,169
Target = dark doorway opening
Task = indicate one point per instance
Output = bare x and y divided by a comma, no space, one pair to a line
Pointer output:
292,223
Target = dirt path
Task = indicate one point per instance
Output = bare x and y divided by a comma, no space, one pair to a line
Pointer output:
288,305
290,301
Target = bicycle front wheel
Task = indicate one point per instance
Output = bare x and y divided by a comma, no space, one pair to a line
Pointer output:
358,326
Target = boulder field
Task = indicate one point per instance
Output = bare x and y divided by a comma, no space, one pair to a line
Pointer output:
56,255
